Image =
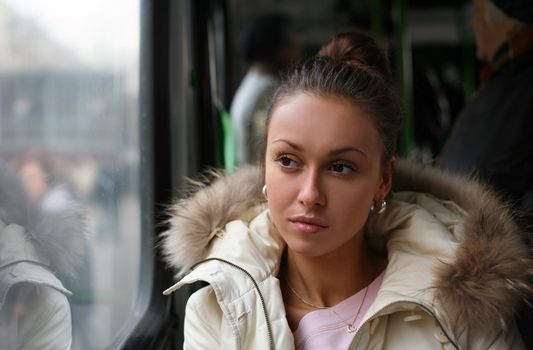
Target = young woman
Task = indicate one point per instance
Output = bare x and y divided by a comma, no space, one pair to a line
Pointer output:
312,250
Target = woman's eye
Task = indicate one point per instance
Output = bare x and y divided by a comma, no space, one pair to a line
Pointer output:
286,162
342,168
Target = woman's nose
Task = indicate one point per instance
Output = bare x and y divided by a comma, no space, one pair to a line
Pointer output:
311,193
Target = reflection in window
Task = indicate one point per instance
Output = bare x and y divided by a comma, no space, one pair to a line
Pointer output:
69,140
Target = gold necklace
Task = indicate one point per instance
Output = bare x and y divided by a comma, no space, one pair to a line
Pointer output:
350,328
302,299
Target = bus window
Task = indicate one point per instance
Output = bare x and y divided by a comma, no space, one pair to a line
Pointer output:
71,131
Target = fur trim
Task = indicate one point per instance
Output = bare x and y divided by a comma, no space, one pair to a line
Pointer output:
491,272
483,286
215,200
63,238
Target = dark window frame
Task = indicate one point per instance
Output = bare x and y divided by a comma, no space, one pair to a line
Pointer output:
160,326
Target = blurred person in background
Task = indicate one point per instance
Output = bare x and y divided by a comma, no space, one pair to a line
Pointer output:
492,135
269,47
35,249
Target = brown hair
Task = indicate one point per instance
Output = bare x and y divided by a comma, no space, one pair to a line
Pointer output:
358,49
351,66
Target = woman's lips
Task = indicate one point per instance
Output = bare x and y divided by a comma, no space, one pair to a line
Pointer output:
306,224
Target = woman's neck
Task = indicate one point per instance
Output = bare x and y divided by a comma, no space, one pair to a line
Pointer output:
329,279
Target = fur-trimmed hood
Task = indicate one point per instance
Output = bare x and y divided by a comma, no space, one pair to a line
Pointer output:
57,236
484,284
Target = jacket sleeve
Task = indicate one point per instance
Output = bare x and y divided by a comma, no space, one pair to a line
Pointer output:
47,325
203,319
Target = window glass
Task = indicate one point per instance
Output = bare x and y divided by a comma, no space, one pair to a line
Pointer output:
70,170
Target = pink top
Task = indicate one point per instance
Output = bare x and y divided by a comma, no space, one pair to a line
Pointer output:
327,328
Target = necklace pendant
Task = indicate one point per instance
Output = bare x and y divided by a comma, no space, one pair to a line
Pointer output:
350,328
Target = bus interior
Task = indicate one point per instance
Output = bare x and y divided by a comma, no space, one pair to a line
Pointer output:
108,106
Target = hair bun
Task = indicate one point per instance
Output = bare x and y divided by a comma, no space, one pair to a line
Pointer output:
357,49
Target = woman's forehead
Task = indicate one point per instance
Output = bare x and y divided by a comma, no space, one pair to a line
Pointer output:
320,120
302,108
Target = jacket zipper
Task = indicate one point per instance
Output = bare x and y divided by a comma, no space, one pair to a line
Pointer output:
267,319
427,309
263,306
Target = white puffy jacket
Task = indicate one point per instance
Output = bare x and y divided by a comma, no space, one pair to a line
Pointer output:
457,267
34,310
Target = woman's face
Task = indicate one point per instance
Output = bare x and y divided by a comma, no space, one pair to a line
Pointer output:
322,171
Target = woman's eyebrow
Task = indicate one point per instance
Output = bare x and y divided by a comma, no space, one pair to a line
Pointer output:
346,149
333,152
293,145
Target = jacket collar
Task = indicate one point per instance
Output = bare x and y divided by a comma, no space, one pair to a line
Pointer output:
486,273
15,246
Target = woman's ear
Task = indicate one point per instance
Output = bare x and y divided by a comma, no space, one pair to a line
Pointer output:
387,173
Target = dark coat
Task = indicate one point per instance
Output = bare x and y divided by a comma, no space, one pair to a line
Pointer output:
493,135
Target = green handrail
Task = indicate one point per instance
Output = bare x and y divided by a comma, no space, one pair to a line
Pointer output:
228,140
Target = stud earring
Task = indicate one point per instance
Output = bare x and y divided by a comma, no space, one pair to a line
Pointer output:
264,191
382,206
